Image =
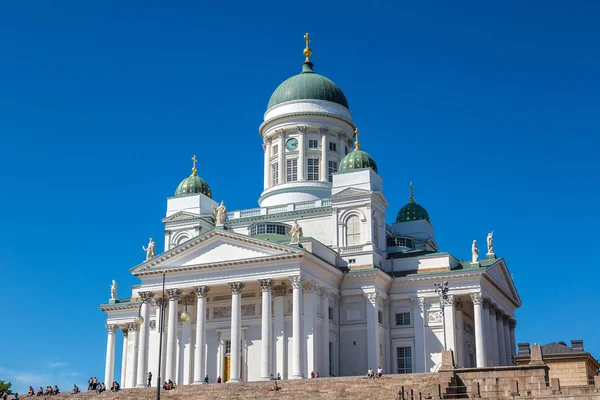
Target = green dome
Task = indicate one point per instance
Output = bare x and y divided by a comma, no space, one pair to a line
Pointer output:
357,159
308,86
412,212
193,184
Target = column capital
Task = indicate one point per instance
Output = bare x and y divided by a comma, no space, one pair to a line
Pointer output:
504,317
159,301
449,300
146,296
202,290
372,297
309,286
322,291
266,284
301,128
279,132
133,327
323,130
477,298
173,294
512,323
124,330
296,281
419,302
237,287
110,328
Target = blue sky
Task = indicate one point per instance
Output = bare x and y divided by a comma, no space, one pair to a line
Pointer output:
490,109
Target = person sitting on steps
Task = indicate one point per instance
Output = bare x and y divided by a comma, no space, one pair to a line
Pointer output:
274,387
379,372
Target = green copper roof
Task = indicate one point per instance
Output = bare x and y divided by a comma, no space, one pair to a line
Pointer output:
412,212
193,184
308,86
357,159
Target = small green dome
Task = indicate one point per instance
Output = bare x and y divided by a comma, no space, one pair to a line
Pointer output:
412,212
308,86
357,159
193,184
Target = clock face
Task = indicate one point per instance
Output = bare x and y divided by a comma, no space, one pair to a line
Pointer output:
291,144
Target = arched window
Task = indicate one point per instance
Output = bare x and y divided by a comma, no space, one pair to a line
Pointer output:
376,232
353,231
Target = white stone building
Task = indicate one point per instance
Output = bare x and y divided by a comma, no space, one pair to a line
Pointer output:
356,292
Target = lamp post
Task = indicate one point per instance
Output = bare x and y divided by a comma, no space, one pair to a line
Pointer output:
441,288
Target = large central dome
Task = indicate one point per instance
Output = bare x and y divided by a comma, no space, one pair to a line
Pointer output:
308,86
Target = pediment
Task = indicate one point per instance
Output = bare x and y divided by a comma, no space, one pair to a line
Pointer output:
350,193
181,216
500,275
214,248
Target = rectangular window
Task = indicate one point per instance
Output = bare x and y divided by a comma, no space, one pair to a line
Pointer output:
292,170
331,313
403,319
227,346
331,359
332,168
332,146
404,356
313,144
380,317
313,169
275,149
275,173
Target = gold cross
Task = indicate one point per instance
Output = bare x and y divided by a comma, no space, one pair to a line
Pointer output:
356,142
194,168
307,50
412,198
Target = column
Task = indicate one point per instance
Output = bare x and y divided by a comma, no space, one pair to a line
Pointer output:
507,349
236,326
186,377
450,326
171,369
200,350
459,353
342,142
480,347
418,321
494,337
301,153
109,370
487,332
160,324
143,340
132,349
267,176
513,344
500,333
296,327
324,164
279,330
373,359
281,156
123,357
265,331
310,327
324,372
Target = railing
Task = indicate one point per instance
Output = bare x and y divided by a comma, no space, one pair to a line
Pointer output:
250,213
253,212
351,249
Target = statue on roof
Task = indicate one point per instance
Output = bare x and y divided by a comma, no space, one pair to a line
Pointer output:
113,290
296,233
474,251
490,242
220,212
150,250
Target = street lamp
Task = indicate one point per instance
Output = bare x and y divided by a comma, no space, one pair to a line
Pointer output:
441,288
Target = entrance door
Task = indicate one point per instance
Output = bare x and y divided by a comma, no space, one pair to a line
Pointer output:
227,362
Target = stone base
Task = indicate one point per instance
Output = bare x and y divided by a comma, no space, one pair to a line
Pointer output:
490,256
112,301
475,264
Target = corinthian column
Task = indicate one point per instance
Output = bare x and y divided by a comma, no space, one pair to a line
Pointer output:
325,335
132,349
143,340
296,327
236,329
265,333
124,357
419,316
109,370
477,299
372,331
199,352
501,342
172,335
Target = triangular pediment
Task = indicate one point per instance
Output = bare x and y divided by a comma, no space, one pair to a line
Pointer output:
215,248
350,193
181,216
499,274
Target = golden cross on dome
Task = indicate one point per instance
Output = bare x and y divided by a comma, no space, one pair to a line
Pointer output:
412,198
307,50
356,142
194,167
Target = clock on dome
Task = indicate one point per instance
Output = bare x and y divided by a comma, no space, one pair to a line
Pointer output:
291,144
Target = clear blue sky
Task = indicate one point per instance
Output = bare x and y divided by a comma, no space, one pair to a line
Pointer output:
491,110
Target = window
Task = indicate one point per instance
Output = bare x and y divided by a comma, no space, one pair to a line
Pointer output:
332,146
404,356
400,242
275,173
331,313
403,319
227,346
292,170
380,317
353,231
332,168
313,144
331,359
259,229
313,169
275,149
376,232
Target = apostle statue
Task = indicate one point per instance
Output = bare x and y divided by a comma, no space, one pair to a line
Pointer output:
490,242
113,290
474,251
296,233
150,250
220,212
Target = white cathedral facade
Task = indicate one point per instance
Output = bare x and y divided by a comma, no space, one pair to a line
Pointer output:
244,303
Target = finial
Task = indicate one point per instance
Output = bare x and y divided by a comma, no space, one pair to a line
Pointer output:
412,197
356,142
194,167
307,50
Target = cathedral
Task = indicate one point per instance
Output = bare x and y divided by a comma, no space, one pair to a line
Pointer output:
313,280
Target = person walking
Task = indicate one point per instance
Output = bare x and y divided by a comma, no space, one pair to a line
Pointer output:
149,379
